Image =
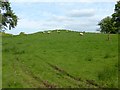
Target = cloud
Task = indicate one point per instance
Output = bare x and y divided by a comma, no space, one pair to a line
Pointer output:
60,19
36,17
81,13
24,23
38,25
56,22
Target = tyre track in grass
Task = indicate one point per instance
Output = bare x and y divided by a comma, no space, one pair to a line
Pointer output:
75,81
45,83
87,82
26,78
71,83
26,71
64,72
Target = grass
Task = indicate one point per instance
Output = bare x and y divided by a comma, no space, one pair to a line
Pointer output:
63,59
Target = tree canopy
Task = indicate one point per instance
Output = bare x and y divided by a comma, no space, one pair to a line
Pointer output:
7,16
111,24
107,26
116,16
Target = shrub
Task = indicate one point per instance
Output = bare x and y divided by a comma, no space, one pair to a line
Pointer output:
22,33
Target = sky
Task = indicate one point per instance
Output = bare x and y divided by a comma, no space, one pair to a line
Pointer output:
76,15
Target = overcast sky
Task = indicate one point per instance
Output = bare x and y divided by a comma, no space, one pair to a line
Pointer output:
77,15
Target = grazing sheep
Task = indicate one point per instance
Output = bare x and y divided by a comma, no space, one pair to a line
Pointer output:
81,34
48,32
67,30
58,31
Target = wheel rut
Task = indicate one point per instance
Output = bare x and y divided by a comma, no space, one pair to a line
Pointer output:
26,71
87,82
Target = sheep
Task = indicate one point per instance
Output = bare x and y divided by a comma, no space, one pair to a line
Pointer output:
58,31
48,32
81,34
67,30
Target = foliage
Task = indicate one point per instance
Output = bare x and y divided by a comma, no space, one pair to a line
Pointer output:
22,33
116,16
107,26
111,24
7,16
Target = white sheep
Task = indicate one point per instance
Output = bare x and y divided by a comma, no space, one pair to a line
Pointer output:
58,31
81,34
48,32
67,30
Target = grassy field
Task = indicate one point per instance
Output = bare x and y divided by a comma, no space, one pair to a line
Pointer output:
60,60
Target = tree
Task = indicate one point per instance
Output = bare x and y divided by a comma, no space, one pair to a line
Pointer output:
116,16
7,16
106,25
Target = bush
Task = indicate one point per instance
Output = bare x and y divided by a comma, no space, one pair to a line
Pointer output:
22,33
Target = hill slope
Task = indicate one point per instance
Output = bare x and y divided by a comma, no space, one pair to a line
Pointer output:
64,59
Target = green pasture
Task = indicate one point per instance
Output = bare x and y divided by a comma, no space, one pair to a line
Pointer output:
60,60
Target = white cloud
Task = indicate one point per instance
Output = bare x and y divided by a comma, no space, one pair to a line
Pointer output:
67,17
57,22
38,25
28,24
57,18
81,13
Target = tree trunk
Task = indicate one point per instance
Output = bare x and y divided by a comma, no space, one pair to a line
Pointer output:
108,36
